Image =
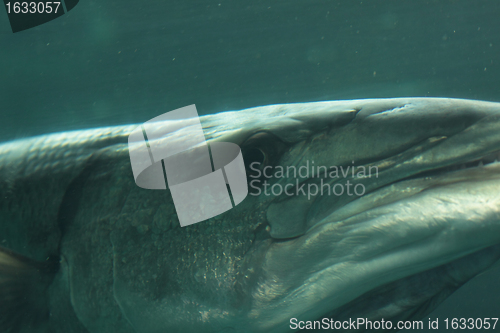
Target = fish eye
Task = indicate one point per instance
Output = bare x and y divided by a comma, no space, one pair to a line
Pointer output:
254,160
259,151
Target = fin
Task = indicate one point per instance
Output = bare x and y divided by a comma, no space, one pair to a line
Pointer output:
23,284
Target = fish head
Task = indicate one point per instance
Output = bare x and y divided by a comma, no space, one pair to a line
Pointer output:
350,196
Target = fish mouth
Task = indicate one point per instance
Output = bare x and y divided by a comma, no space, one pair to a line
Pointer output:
398,178
473,172
490,160
395,231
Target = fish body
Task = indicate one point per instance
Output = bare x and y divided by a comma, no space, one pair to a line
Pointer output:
104,255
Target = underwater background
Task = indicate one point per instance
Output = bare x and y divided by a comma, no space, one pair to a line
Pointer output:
118,62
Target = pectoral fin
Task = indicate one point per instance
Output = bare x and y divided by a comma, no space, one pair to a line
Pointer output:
23,286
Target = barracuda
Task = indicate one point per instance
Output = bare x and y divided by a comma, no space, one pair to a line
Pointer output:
86,250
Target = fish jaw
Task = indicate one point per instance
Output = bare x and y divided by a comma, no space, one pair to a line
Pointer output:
337,261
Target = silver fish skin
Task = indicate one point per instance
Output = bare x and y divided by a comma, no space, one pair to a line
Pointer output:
428,220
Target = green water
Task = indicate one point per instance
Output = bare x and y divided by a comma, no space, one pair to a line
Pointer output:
115,62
